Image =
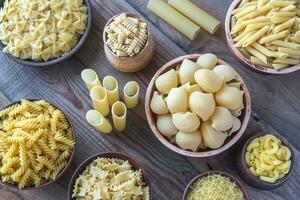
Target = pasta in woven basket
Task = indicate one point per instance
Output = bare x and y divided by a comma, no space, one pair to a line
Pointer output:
36,143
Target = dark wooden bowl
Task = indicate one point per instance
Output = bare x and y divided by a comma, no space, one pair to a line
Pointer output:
67,165
135,165
231,177
251,179
236,52
134,63
151,117
29,62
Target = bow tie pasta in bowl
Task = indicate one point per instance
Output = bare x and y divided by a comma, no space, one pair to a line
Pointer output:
197,105
43,32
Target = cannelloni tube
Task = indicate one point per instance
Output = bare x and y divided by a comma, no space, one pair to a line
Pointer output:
90,78
112,88
131,94
100,101
119,114
98,121
174,18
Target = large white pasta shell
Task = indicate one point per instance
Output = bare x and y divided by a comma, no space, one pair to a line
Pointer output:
177,100
208,80
186,122
225,72
191,88
229,97
158,105
187,71
236,125
221,119
207,61
211,137
188,141
165,125
203,104
165,82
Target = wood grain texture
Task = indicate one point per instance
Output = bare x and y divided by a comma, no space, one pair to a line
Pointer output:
275,99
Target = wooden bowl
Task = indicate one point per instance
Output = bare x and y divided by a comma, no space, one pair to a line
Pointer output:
231,177
135,165
134,63
67,165
29,62
254,181
236,52
151,117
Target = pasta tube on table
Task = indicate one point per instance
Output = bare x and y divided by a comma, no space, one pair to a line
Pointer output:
112,88
98,121
100,100
131,94
90,78
119,115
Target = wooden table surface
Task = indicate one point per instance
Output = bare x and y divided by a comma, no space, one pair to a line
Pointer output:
275,100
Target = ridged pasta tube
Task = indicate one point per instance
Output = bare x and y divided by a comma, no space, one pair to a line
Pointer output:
98,121
112,88
90,78
119,115
131,94
100,100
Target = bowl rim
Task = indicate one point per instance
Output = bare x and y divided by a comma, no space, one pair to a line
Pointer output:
63,57
255,178
126,58
108,154
233,178
211,152
70,159
241,58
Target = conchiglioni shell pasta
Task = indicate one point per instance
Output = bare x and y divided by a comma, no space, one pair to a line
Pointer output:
207,61
90,78
203,104
165,125
208,80
187,71
97,120
191,88
119,115
165,82
211,137
131,94
225,72
158,105
188,141
186,122
221,119
100,100
177,100
229,97
110,83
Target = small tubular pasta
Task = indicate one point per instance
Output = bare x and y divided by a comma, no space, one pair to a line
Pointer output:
165,82
131,94
187,71
110,83
203,104
158,105
98,121
90,78
119,115
177,100
221,119
186,122
208,80
211,137
165,125
225,72
100,100
207,61
190,141
229,97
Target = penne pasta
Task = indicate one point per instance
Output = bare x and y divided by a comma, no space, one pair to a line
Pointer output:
255,36
289,50
259,19
110,83
119,115
289,61
267,52
90,78
98,121
279,66
100,100
257,54
272,37
131,94
257,61
284,25
286,44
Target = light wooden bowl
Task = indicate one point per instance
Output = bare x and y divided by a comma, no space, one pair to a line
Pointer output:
231,177
247,175
67,165
151,117
134,63
236,52
135,165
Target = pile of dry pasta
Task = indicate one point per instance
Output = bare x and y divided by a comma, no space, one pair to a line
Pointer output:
41,29
268,32
110,178
36,143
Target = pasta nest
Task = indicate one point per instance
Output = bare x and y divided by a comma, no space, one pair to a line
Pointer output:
41,29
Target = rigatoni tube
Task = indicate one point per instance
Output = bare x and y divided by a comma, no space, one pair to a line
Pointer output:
119,113
98,121
100,101
196,14
131,94
174,18
90,78
112,88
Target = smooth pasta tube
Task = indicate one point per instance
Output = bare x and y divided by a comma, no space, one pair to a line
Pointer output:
174,18
196,14
112,88
98,121
119,114
131,94
100,101
90,78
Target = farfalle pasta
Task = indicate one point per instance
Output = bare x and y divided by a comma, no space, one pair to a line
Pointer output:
110,178
41,30
36,143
